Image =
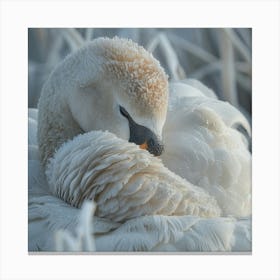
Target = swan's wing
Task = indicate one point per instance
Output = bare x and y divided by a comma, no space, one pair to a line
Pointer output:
200,86
124,180
190,93
157,233
202,145
48,214
178,234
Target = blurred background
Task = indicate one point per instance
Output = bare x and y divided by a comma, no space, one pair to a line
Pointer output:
218,57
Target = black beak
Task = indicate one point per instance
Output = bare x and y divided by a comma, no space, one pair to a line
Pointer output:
144,137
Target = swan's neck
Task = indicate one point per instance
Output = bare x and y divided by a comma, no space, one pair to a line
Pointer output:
56,123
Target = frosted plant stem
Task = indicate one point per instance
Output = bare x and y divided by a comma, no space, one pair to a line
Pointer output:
208,69
244,67
54,54
240,46
176,70
245,35
72,37
228,70
89,34
152,44
192,48
245,82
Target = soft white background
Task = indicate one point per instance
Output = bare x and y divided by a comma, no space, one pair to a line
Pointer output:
262,16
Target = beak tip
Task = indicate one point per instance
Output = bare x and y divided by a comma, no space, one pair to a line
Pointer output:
156,151
155,148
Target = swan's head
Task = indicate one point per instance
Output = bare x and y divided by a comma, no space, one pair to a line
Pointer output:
130,96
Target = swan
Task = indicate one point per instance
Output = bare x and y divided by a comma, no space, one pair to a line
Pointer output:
120,78
134,190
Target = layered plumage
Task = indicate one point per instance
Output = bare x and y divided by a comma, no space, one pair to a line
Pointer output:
49,214
124,180
203,145
54,225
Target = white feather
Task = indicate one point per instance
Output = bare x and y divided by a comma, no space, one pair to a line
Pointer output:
124,180
48,214
203,146
178,233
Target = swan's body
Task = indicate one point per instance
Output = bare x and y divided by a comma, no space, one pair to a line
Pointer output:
126,182
203,146
48,215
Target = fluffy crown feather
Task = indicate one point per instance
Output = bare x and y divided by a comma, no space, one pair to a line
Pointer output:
136,70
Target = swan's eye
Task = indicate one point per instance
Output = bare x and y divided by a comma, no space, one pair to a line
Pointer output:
124,112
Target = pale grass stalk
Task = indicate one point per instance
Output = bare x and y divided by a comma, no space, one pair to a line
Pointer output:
89,34
54,54
152,44
244,67
208,69
228,71
245,82
72,37
192,48
245,35
240,46
176,70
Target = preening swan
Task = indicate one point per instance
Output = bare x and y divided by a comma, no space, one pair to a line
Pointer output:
112,84
108,93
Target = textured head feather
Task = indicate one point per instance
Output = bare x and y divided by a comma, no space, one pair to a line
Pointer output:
138,73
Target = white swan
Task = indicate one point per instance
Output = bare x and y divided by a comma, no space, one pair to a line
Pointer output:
115,85
87,167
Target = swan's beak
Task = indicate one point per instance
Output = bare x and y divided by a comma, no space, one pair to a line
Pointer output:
145,138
